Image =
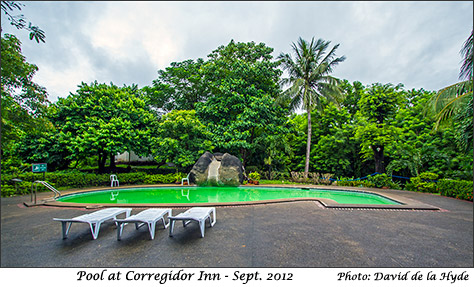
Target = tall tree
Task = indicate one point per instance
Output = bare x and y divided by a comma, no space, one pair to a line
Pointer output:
310,80
457,98
243,85
103,120
179,87
22,100
378,107
180,138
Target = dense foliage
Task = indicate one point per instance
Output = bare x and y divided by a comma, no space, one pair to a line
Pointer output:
23,101
232,102
103,120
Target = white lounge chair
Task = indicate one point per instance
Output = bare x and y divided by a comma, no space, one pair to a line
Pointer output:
147,217
94,219
197,214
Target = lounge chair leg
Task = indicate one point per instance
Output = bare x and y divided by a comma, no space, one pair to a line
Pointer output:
151,229
171,227
65,229
213,217
186,222
165,225
202,225
95,231
119,231
138,225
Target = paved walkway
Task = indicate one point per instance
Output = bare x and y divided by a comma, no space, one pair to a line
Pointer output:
296,234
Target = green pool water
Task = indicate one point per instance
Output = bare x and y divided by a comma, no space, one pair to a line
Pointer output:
193,194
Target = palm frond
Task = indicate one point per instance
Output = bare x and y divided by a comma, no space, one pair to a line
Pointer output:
446,102
467,53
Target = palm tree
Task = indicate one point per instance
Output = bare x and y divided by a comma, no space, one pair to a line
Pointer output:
309,79
449,100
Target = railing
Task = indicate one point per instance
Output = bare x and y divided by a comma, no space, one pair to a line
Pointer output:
47,185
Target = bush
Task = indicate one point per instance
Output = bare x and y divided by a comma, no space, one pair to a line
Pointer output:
313,177
164,178
254,176
77,179
379,181
383,180
425,182
461,189
355,183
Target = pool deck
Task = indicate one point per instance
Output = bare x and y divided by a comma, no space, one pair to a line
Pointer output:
285,234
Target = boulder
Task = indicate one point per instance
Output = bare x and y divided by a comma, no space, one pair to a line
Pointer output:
231,171
227,170
199,171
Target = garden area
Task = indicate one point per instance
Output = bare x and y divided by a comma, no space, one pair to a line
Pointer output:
308,127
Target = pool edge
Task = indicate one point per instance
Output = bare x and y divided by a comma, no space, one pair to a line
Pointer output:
406,203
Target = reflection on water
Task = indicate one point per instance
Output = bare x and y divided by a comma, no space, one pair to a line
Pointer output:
114,196
185,193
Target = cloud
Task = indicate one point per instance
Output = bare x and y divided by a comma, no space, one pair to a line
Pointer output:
414,43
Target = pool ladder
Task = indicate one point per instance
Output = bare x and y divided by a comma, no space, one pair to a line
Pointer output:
34,186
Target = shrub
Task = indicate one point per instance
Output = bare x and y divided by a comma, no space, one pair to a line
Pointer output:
164,178
461,189
254,176
425,182
383,180
77,179
355,183
313,177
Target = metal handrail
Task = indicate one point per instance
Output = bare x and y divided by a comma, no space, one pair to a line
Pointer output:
47,185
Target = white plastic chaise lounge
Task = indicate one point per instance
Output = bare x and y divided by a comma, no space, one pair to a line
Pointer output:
147,217
197,214
94,219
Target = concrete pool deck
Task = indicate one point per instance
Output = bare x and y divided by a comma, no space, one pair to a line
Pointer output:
289,234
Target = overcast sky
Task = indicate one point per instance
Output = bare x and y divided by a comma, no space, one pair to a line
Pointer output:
414,43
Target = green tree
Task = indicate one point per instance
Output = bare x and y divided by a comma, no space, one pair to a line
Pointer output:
334,148
417,148
310,80
43,147
352,95
180,138
23,101
243,83
456,100
179,87
103,120
375,130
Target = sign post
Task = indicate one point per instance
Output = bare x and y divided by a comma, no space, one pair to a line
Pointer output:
39,167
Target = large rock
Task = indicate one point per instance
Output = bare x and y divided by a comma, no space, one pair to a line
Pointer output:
218,170
231,170
199,171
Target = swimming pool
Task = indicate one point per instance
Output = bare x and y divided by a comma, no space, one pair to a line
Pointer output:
201,195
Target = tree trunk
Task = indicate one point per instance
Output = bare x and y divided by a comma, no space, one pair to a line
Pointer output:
112,160
379,159
101,161
243,153
308,146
